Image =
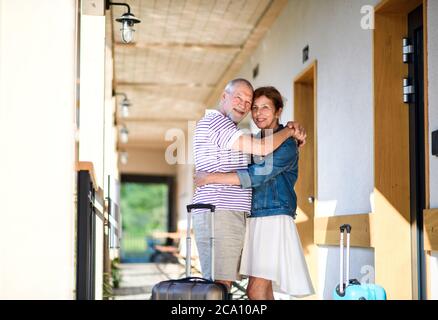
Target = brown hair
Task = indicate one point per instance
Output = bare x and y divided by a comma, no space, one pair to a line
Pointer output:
272,94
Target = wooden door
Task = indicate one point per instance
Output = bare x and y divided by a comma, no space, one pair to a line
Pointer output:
304,113
395,264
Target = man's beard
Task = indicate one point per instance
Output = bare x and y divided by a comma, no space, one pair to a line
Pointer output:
231,116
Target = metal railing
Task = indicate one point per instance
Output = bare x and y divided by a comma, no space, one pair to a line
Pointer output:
90,205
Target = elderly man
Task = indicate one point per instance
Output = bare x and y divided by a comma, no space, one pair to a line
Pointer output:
220,146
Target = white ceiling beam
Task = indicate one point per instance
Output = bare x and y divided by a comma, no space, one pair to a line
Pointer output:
187,46
163,119
164,84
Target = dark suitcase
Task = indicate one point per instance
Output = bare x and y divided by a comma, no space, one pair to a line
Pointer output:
192,288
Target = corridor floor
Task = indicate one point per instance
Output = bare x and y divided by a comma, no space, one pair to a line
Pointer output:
139,278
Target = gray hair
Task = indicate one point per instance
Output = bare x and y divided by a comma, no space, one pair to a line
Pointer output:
230,85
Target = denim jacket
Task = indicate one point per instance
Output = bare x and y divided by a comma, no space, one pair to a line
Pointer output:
272,179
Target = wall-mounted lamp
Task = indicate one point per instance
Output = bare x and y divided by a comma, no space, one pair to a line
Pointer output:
124,105
124,135
127,20
124,157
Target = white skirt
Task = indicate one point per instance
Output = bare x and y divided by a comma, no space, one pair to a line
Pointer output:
273,251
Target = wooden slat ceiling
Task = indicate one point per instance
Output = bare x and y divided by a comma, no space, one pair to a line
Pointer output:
184,51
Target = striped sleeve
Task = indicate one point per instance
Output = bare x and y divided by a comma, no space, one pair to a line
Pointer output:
223,132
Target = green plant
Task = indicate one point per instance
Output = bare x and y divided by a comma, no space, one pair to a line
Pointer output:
144,208
115,273
107,288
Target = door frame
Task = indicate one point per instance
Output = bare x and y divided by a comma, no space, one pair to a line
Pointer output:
172,218
417,154
309,74
391,149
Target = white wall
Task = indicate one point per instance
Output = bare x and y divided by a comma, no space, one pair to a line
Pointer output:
332,30
37,102
92,93
433,123
92,115
433,95
362,268
110,135
185,190
434,276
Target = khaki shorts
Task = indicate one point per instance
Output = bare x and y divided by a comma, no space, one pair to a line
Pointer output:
229,237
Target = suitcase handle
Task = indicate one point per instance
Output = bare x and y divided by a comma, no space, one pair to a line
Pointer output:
190,207
343,284
198,279
345,227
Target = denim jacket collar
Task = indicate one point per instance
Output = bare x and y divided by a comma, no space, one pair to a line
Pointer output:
262,135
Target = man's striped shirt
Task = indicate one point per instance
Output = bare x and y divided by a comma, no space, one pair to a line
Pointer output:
214,135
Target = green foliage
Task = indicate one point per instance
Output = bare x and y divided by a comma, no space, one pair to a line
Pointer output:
116,275
107,288
143,208
133,243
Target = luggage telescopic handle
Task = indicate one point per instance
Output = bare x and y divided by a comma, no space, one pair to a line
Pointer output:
190,207
344,227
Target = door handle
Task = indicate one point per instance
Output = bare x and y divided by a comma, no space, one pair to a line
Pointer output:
311,199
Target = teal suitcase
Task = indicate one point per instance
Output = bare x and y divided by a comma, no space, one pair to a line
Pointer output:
352,289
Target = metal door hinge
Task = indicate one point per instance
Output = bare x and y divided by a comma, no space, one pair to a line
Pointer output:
408,90
408,50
